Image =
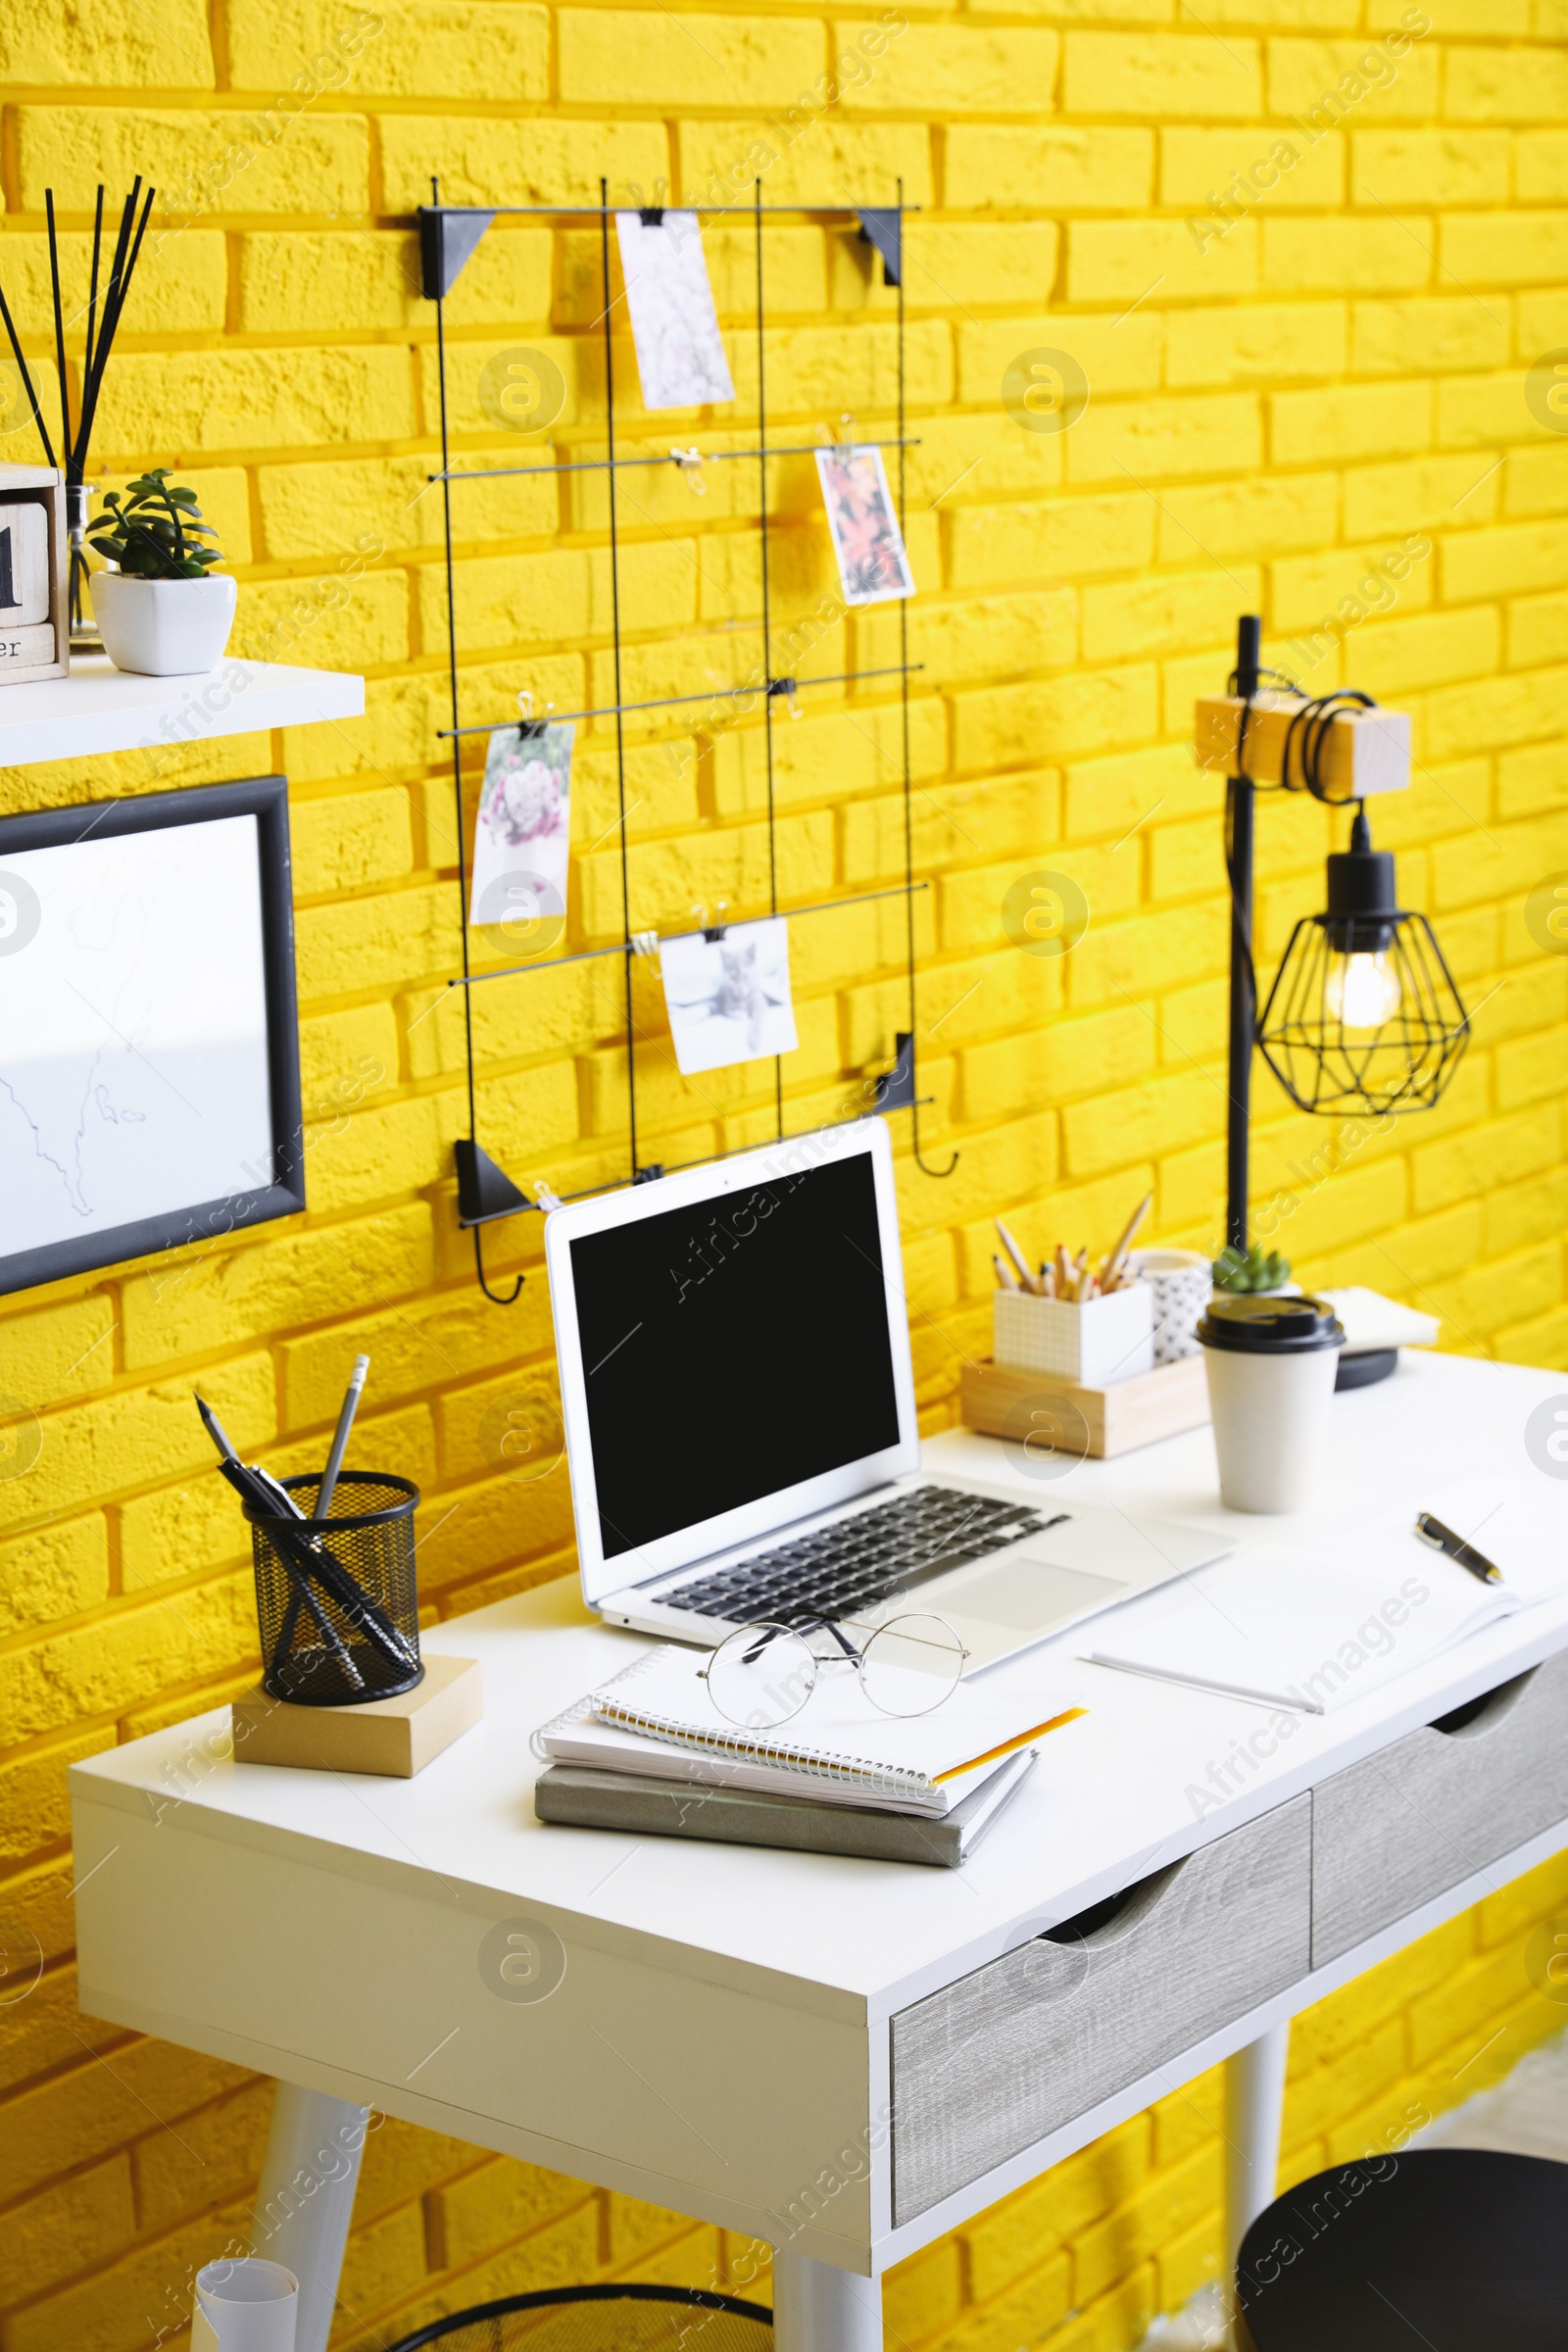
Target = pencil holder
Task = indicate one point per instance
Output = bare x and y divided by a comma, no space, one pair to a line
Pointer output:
1102,1341
337,1598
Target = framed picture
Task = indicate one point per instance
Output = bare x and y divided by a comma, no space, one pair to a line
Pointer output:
149,1038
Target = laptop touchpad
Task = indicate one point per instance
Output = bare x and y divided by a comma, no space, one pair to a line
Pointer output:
1023,1595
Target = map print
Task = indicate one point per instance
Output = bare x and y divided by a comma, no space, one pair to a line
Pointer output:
133,1065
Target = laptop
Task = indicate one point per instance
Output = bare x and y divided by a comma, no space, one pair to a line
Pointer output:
738,1397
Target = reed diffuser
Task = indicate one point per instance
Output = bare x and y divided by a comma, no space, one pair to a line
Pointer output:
102,326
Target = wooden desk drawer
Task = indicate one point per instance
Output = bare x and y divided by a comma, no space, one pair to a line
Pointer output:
1421,1815
986,2067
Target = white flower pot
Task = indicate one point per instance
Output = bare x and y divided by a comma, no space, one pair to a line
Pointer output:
163,628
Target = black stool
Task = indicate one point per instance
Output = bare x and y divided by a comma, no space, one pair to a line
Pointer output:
1461,2250
615,2318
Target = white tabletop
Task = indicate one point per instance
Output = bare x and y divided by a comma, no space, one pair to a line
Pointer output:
1110,1800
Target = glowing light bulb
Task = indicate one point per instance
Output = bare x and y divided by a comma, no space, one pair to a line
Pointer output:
1362,990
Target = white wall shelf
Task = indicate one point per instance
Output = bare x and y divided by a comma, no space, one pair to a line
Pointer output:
100,709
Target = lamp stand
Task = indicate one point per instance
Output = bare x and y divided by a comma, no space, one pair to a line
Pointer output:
1240,799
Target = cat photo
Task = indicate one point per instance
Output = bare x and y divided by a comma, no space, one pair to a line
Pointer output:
729,999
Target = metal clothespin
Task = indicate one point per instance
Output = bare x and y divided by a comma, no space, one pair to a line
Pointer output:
646,943
789,688
546,1197
712,932
690,462
529,728
652,215
843,445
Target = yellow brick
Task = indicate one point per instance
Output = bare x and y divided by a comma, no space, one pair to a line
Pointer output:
940,69
1531,781
1541,164
1376,256
1160,74
293,163
174,295
1116,355
1255,344
1508,86
1308,590
1318,2097
309,281
63,1350
1089,711
1535,629
1393,338
1415,494
53,1572
532,160
630,56
78,2225
1160,440
1021,2232
1498,710
1075,539
1164,615
1395,658
989,265
1535,251
1403,168
1203,168
1499,562
799,153
198,403
1016,1073
1127,261
337,620
195,1301
128,52
439,48
1371,419
1253,518
1324,82
1114,2248
1068,167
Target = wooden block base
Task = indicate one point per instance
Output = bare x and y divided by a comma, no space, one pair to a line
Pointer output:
395,1737
1060,1415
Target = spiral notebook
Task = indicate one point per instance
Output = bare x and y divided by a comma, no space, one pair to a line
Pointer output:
655,1717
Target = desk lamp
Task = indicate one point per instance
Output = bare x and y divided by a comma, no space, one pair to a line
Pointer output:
1363,1014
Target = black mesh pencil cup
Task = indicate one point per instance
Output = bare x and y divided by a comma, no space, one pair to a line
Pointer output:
336,1598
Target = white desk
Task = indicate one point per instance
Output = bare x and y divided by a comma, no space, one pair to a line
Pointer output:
726,2035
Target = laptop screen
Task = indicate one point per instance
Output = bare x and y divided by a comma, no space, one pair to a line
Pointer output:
733,1347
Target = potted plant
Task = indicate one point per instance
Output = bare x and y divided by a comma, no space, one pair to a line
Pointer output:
160,612
1254,1269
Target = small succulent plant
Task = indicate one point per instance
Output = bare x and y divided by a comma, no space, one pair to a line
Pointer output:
1250,1269
152,535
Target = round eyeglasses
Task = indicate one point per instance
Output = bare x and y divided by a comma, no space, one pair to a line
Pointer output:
763,1674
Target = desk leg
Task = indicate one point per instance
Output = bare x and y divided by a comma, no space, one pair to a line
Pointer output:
305,2196
1254,2106
819,2308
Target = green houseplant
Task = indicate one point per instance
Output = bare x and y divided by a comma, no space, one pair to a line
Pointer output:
161,610
1250,1269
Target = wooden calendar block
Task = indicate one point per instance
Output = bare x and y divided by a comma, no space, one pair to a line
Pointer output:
34,617
24,564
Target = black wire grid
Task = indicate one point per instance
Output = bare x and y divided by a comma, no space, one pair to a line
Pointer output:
449,234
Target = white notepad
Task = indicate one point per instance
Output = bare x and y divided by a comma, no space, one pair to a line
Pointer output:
655,1717
1293,1629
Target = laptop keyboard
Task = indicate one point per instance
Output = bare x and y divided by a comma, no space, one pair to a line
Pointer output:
859,1562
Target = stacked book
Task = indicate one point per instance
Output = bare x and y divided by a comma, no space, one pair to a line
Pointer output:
649,1753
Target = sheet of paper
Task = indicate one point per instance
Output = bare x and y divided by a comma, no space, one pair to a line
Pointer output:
1519,1524
522,833
1297,1629
680,359
729,999
866,539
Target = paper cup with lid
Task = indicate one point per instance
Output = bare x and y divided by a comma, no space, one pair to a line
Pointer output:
1271,1363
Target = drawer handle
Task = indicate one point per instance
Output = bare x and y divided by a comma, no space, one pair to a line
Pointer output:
1116,1915
1479,1716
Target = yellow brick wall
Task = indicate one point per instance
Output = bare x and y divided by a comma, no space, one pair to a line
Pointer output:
1294,371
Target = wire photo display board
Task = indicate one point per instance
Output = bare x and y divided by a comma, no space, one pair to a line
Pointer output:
773,688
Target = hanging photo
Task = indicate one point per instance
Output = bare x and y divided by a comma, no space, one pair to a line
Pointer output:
521,835
866,539
729,999
680,359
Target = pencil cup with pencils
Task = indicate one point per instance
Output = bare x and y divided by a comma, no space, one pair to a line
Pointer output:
1078,1322
337,1597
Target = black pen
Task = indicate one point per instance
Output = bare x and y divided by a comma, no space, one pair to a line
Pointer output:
1443,1538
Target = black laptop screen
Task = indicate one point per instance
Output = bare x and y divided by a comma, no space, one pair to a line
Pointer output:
733,1347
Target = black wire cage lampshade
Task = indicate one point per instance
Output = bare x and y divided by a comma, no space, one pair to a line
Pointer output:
1363,1014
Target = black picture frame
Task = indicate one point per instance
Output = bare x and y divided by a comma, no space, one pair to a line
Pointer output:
266,798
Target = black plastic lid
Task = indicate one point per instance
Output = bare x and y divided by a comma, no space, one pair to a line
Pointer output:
1252,1324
